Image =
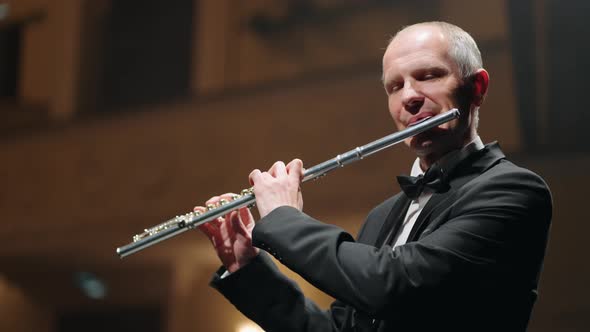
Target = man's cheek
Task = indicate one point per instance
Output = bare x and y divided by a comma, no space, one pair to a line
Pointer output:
397,121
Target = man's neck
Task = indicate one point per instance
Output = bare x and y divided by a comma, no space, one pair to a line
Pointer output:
428,160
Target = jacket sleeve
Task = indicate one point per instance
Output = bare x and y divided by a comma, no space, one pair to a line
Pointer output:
479,235
266,296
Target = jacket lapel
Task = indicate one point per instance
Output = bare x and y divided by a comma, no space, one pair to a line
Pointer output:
474,165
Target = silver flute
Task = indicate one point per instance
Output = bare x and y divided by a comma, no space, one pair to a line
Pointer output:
182,223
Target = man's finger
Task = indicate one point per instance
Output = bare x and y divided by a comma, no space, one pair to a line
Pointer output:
295,169
278,169
209,230
237,224
246,216
213,200
254,176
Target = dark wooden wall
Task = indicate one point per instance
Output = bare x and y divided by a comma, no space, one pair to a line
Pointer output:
84,178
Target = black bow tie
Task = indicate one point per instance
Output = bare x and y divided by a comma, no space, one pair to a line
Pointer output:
433,179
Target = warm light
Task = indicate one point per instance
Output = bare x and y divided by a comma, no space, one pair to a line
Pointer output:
249,327
4,10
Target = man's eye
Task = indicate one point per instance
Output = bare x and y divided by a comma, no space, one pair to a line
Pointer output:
427,77
395,87
431,75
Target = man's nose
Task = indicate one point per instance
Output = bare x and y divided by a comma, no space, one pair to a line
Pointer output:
412,99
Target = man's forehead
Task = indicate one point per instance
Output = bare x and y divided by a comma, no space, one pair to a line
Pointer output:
416,40
423,46
419,37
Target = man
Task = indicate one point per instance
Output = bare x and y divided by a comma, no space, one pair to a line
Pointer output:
460,250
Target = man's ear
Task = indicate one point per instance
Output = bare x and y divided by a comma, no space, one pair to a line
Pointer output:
481,80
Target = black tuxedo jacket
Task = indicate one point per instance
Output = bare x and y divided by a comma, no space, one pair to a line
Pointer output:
471,263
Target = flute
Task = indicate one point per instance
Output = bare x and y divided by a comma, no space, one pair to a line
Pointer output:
182,223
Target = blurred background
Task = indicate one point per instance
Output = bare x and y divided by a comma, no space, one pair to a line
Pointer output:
117,115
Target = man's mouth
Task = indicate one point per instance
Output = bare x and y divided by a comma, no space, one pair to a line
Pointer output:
419,119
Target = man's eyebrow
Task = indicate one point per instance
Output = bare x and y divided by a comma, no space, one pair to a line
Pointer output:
432,68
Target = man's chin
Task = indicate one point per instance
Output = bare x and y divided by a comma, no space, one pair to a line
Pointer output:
430,141
421,146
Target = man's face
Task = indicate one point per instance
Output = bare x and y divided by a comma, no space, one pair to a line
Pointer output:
422,80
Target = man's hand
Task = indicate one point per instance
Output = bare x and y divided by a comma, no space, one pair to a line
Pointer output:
231,235
278,187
